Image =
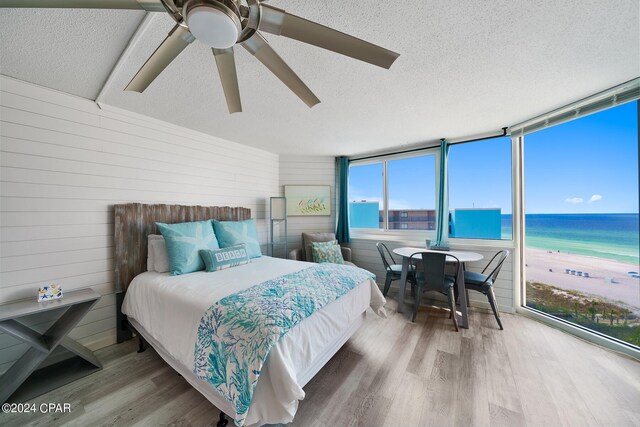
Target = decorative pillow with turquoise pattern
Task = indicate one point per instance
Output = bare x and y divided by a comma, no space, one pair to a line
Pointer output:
183,241
219,259
327,252
231,233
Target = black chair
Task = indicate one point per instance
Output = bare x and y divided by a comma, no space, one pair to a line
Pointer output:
483,283
394,271
433,278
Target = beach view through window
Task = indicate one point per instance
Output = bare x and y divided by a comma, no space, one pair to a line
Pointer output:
581,199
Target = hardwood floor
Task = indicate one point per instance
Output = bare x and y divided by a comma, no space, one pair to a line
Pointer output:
391,373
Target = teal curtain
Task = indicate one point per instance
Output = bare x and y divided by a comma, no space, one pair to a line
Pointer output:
442,224
342,230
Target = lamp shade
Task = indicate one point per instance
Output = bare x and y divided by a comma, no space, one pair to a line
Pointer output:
278,208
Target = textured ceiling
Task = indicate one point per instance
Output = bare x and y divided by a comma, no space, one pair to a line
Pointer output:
465,68
69,50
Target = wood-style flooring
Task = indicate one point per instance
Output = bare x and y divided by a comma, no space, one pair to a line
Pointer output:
391,373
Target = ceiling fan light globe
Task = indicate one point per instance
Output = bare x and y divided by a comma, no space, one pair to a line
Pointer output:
213,27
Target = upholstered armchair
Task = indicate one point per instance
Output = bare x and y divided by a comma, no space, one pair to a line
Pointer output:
304,253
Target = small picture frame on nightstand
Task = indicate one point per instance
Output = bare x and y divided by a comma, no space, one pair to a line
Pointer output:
50,292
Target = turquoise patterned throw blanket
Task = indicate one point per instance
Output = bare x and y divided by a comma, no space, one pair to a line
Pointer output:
237,332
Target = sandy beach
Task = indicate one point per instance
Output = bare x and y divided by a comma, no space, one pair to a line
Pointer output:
608,278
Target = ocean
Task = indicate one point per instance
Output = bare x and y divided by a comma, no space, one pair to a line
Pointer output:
611,236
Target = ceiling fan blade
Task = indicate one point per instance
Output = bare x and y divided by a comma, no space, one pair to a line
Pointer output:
177,40
149,5
279,22
260,48
229,78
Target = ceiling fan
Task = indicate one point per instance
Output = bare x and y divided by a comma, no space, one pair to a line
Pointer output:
221,24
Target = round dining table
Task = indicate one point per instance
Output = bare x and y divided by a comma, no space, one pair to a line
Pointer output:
463,256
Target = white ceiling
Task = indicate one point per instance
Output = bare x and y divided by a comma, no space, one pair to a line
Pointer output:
69,50
465,68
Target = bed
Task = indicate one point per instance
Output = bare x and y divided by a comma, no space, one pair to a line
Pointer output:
166,310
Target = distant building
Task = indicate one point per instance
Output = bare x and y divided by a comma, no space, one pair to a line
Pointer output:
411,219
364,214
467,223
475,223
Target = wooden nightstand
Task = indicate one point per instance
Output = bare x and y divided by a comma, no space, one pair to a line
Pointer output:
20,382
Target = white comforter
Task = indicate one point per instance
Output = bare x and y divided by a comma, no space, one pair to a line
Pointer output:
169,308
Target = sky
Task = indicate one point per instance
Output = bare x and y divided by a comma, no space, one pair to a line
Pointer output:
588,165
366,183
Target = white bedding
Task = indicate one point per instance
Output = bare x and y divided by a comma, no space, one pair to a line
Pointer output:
169,308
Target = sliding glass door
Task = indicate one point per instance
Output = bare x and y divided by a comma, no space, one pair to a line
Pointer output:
581,221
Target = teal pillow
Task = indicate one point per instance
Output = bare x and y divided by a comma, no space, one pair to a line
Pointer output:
327,252
231,233
219,259
183,241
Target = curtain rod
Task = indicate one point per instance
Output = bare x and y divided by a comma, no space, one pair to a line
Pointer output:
504,133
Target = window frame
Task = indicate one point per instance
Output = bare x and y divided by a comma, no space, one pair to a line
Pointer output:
518,134
384,160
514,183
419,236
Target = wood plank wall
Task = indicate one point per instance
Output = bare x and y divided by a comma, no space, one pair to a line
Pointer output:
308,170
64,163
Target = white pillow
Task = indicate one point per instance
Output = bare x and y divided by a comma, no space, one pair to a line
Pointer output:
157,258
161,262
150,255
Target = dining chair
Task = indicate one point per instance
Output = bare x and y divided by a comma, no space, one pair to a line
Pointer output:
433,278
394,271
483,283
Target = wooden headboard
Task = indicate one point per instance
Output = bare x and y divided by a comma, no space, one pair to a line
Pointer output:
135,221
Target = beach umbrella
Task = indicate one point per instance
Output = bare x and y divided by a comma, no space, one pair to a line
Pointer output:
632,272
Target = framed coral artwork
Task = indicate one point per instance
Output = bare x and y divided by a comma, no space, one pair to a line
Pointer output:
308,200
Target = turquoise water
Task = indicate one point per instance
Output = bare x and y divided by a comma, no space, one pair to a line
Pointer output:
611,236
